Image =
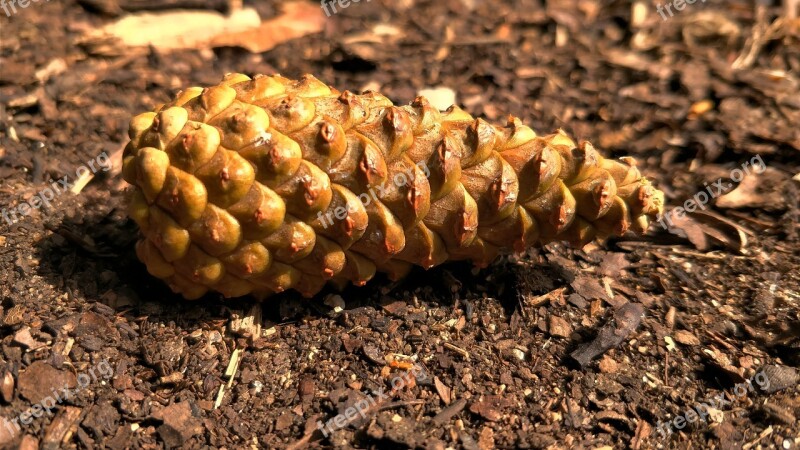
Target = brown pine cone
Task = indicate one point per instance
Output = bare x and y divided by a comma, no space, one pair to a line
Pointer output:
255,186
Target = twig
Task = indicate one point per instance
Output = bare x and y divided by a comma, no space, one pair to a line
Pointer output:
762,33
458,350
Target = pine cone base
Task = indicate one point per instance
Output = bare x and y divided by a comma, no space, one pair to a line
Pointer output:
256,186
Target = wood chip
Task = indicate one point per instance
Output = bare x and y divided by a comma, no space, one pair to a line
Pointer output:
686,338
490,407
559,327
446,414
7,386
60,430
248,325
626,320
443,390
458,350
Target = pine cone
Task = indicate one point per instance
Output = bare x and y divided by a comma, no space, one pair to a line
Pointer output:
255,186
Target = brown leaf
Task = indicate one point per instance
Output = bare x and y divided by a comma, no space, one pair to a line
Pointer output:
693,231
762,190
723,230
299,19
706,230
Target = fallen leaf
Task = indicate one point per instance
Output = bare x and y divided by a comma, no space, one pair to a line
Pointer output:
723,230
705,230
298,19
762,190
179,29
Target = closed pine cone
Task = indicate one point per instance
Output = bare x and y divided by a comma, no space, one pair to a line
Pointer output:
256,186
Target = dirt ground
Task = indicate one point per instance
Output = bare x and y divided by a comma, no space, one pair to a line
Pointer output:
556,348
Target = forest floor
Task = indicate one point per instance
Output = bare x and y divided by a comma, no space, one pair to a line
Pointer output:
705,312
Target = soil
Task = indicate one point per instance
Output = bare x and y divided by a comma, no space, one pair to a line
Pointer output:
555,348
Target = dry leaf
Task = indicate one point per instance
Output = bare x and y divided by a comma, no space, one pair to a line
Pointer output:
704,229
723,230
691,228
179,29
298,19
757,191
